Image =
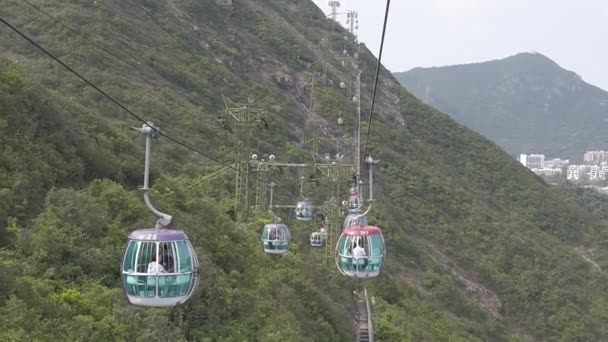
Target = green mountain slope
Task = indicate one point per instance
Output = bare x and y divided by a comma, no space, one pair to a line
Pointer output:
479,247
525,103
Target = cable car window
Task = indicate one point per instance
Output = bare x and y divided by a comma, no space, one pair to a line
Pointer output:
174,285
146,255
167,257
185,263
275,233
376,246
342,246
130,257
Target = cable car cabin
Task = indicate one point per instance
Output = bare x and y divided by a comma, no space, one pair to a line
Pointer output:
354,220
304,211
276,238
354,203
360,252
160,268
317,239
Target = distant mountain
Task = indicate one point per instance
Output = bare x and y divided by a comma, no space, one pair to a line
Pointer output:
524,103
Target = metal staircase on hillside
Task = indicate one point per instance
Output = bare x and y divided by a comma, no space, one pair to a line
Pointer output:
363,319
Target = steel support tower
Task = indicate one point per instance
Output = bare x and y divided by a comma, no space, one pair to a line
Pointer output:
242,119
334,4
352,22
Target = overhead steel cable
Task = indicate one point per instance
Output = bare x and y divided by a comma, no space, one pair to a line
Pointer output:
109,97
371,110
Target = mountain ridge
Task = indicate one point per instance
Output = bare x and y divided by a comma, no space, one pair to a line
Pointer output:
537,56
526,103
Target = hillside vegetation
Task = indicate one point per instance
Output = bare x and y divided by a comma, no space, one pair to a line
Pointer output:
479,247
525,103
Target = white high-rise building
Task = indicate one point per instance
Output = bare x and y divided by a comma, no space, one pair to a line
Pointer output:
576,172
548,172
532,161
594,172
523,159
595,157
604,171
556,163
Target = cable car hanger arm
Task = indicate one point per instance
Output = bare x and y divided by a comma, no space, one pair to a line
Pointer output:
151,132
276,218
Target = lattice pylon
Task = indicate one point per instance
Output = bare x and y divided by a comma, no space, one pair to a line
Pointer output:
242,120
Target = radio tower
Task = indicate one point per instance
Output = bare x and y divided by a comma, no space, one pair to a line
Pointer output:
334,4
353,22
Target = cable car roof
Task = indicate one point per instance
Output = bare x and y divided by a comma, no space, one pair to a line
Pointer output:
162,234
275,225
362,230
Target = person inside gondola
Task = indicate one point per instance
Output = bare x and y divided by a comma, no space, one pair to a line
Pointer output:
272,236
155,267
359,253
167,263
279,238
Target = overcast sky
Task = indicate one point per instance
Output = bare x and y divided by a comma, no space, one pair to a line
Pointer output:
427,33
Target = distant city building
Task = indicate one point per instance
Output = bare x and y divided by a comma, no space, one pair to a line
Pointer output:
604,171
595,157
576,172
542,167
548,172
556,163
586,172
594,173
532,161
594,169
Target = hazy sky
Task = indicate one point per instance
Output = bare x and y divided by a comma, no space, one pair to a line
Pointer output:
573,33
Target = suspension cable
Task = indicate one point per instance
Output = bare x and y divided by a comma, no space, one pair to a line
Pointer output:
109,97
371,110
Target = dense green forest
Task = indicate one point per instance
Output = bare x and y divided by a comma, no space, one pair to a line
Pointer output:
479,248
526,103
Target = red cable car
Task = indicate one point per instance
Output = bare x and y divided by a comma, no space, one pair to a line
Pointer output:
360,252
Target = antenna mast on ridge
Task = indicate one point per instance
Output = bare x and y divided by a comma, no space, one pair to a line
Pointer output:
353,22
334,4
